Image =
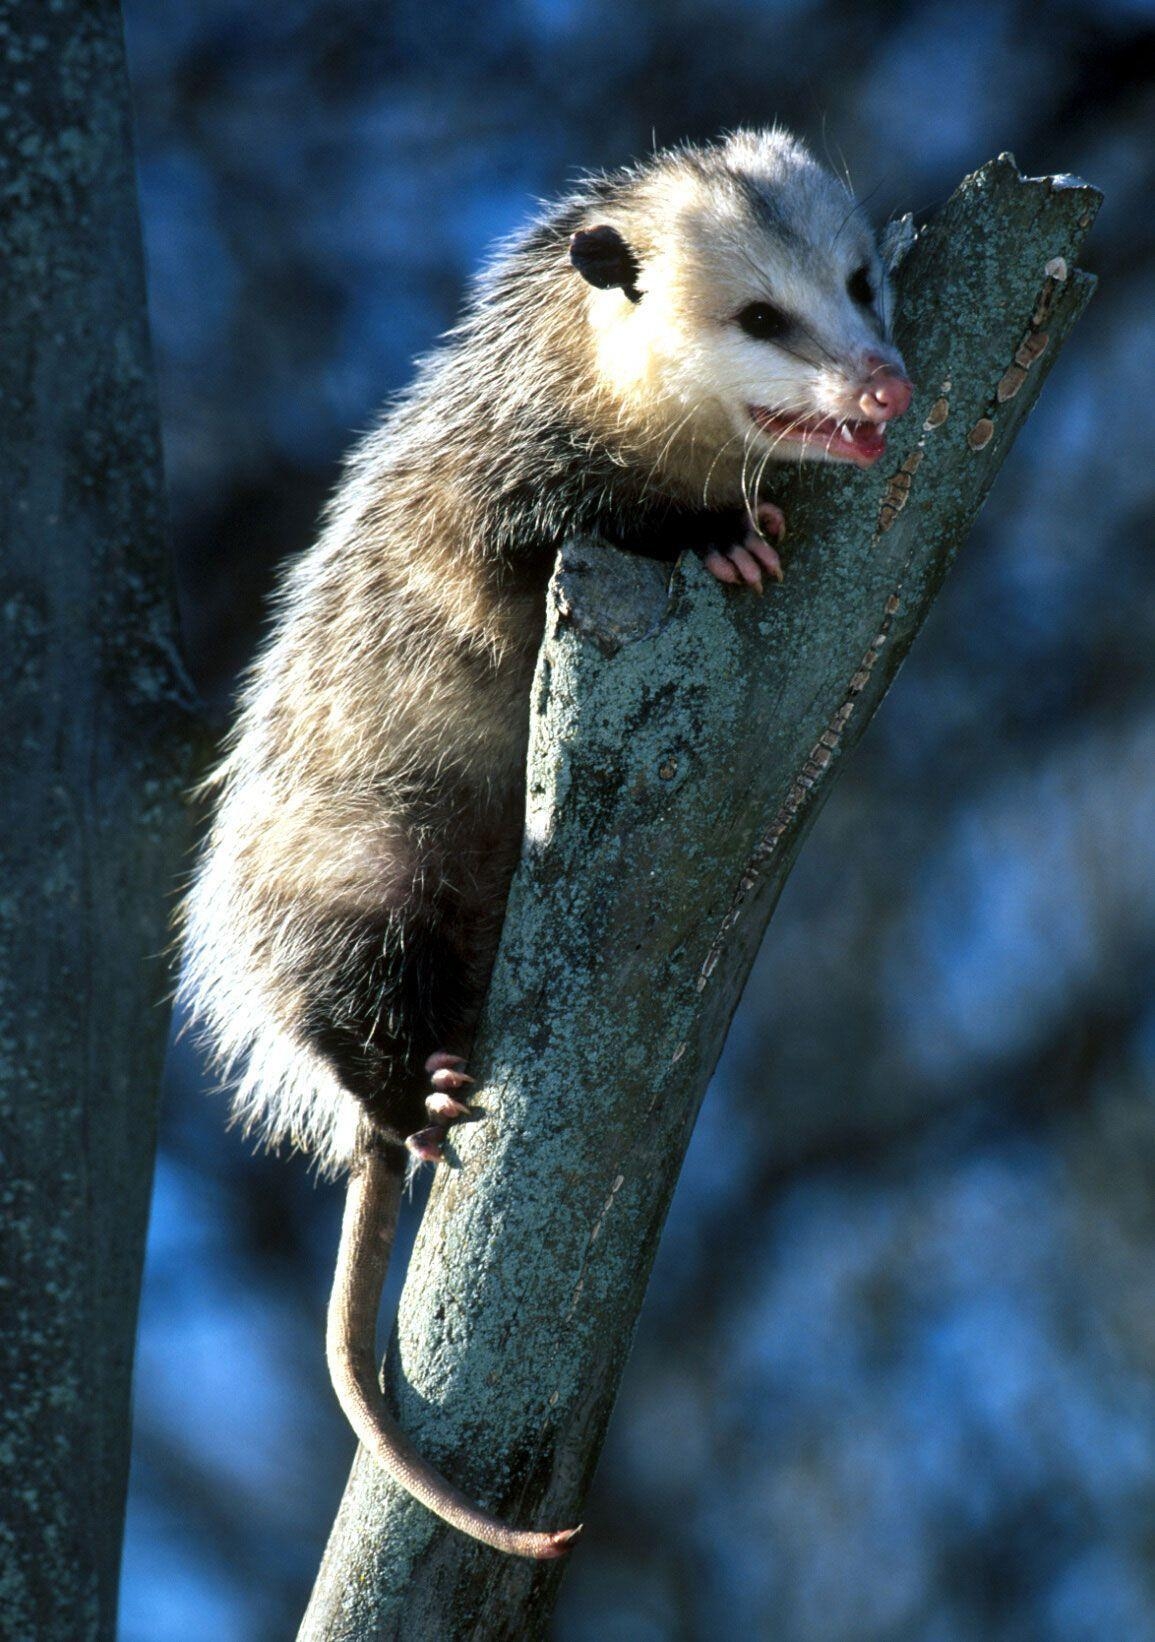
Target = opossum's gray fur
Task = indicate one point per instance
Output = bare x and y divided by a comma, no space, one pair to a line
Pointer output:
385,718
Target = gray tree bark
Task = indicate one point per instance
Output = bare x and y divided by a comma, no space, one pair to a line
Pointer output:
94,762
682,743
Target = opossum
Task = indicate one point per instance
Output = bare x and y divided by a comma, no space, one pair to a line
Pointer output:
630,366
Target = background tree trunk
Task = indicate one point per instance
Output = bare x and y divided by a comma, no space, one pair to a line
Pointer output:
682,742
94,762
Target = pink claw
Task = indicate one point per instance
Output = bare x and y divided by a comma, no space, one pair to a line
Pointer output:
719,566
441,1060
447,1081
444,1109
766,556
747,567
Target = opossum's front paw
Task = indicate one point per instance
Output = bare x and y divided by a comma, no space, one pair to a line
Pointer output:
743,563
446,1075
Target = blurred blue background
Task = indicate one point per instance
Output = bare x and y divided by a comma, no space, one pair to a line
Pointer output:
896,1375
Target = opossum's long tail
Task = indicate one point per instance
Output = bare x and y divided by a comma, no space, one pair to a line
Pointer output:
367,1232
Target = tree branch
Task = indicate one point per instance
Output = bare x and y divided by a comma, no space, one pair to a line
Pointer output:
682,743
94,765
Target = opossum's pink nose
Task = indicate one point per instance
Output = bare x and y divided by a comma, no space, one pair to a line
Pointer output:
887,393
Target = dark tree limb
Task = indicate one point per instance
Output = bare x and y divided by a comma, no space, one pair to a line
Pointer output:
682,744
94,762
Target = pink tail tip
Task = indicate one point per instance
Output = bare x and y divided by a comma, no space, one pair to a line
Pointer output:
561,1543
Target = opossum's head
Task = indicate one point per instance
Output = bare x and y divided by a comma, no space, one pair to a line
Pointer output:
740,308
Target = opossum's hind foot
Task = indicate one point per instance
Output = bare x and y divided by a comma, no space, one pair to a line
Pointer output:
446,1075
744,562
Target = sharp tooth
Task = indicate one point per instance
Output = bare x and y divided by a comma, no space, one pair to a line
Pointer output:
846,433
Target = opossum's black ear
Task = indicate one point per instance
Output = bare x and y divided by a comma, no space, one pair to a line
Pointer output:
602,257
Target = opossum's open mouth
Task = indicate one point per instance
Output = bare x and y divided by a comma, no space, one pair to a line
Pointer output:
833,437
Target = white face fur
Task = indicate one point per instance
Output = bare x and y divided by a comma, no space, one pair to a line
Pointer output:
762,329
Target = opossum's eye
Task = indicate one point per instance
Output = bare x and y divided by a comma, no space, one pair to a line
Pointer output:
763,321
859,288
